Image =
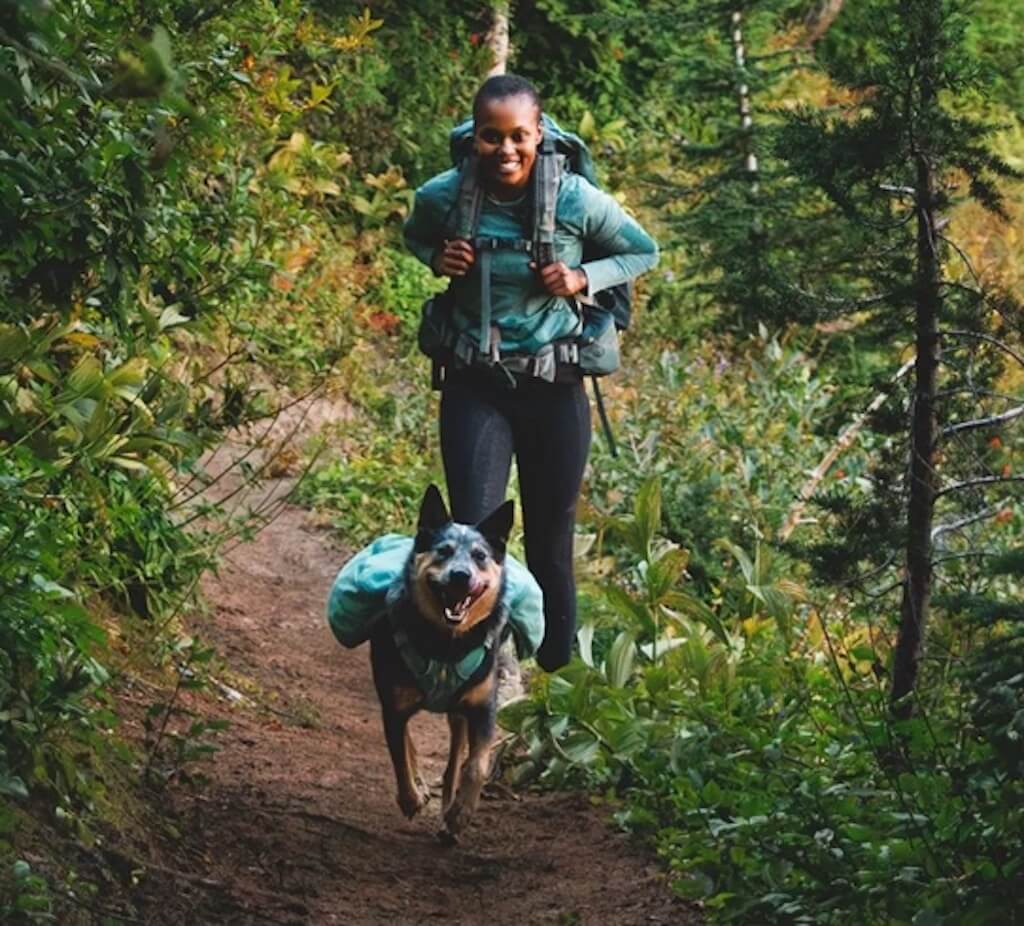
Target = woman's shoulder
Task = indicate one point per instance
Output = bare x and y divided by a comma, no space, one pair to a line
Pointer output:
442,188
579,199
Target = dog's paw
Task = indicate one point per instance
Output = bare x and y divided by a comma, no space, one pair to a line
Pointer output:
447,838
411,804
456,818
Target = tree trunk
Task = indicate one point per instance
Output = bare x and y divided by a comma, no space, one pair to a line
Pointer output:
497,38
821,18
917,584
743,97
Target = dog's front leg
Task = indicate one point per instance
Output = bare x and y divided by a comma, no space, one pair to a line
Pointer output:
412,796
456,753
480,721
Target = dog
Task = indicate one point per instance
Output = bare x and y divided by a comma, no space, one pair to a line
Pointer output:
438,650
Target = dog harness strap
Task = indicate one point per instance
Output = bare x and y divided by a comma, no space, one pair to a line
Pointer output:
441,681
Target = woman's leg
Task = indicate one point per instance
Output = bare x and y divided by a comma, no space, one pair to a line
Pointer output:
552,437
476,446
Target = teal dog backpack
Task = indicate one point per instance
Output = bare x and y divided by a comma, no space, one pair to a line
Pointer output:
368,583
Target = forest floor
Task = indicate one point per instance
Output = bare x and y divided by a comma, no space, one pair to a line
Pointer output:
297,822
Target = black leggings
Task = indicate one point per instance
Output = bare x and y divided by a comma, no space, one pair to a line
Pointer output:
547,426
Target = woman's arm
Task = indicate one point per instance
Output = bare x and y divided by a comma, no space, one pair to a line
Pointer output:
627,249
427,226
423,230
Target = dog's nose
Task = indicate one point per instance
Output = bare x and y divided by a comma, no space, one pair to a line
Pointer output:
459,577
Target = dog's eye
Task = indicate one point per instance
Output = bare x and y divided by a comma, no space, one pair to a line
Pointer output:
445,551
480,557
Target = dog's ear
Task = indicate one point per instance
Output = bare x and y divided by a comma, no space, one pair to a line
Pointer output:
433,513
497,526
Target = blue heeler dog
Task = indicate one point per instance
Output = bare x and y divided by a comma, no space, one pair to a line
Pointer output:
438,650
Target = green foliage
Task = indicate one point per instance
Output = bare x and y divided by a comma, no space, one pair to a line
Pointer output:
31,900
754,749
729,428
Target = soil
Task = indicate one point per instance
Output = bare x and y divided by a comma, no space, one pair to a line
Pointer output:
297,822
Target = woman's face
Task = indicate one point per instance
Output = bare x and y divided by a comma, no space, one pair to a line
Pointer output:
507,133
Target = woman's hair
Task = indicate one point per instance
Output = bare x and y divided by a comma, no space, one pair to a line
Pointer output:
501,87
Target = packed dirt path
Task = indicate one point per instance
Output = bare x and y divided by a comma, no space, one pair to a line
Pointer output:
298,823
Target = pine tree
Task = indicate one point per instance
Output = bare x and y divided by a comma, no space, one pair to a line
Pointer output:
896,164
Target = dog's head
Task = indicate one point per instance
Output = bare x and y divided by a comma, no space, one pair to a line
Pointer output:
457,569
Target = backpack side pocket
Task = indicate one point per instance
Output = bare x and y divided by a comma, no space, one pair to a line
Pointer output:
435,335
599,342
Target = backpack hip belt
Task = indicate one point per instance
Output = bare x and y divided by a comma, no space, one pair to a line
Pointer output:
540,365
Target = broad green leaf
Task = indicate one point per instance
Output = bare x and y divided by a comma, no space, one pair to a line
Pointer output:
513,715
665,572
745,563
99,421
628,606
585,637
587,126
647,515
86,377
695,608
170,317
131,373
620,661
580,747
14,343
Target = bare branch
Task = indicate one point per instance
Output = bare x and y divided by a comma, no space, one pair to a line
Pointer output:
991,512
992,421
987,338
975,483
898,190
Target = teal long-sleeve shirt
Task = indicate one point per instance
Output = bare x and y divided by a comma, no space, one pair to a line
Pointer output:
525,313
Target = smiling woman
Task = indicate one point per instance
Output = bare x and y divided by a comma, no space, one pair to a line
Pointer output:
513,385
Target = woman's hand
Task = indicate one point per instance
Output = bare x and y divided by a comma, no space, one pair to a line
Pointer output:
454,259
560,280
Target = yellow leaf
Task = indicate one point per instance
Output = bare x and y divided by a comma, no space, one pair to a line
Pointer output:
82,339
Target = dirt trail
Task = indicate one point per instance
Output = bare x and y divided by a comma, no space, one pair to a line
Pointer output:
298,823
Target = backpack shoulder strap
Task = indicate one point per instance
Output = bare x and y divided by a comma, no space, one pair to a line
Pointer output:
470,199
547,173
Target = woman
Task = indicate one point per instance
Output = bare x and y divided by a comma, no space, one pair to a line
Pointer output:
486,418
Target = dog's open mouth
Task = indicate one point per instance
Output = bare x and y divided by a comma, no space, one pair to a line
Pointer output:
456,602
